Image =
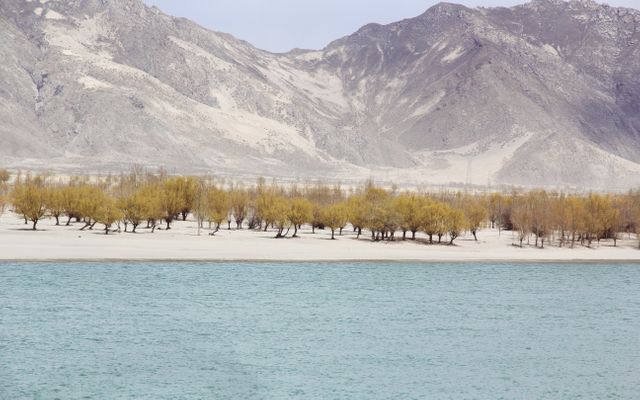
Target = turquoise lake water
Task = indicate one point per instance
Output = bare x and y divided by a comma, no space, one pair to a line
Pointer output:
319,331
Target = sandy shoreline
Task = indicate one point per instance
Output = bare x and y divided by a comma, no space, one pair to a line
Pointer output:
315,261
182,244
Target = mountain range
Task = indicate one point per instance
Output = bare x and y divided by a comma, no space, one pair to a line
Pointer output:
542,94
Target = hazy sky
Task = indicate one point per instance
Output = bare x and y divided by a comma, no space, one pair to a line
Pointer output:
280,25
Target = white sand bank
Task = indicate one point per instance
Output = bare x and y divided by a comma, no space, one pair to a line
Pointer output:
51,242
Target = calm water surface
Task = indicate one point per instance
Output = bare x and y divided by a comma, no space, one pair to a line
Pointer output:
319,331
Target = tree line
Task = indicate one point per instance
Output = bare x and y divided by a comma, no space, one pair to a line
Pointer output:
154,201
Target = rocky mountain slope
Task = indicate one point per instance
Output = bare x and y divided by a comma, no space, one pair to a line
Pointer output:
546,93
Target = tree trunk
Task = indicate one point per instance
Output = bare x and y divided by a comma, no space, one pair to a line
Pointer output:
404,235
69,221
413,235
333,236
168,225
215,231
431,238
474,235
57,220
35,222
295,231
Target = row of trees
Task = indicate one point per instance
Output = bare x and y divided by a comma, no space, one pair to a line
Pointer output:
572,219
131,202
156,201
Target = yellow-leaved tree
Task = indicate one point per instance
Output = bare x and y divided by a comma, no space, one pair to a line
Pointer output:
409,206
279,214
154,210
55,200
597,207
140,206
71,199
30,200
239,200
172,199
90,200
300,212
335,217
576,217
217,207
432,219
357,211
188,188
476,214
522,217
108,212
456,223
